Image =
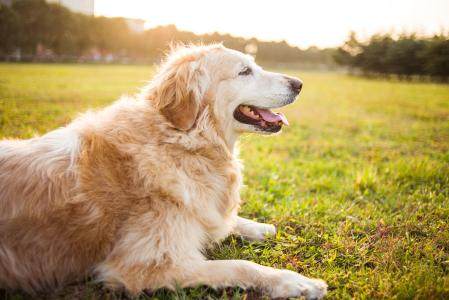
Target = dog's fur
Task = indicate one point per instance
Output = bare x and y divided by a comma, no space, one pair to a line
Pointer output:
135,192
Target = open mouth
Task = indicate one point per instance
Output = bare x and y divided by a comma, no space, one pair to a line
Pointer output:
264,119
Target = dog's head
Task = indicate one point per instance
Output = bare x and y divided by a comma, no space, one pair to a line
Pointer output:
240,93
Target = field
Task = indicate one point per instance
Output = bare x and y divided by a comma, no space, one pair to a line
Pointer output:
358,185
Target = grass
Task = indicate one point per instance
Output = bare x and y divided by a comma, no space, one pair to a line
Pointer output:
358,185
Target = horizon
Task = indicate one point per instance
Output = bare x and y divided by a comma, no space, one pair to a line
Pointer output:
302,24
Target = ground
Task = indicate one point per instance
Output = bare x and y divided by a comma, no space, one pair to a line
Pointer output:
358,185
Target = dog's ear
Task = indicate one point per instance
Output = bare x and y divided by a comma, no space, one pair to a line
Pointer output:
178,92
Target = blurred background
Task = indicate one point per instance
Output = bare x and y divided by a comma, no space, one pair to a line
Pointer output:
406,38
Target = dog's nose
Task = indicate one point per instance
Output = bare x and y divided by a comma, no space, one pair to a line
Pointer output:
295,85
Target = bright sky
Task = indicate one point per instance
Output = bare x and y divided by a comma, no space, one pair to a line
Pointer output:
324,23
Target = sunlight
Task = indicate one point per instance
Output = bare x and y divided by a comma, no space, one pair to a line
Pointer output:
323,23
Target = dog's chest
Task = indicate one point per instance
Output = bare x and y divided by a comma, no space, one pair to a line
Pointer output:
218,182
203,183
212,192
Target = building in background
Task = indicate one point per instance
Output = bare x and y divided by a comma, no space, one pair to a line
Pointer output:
82,6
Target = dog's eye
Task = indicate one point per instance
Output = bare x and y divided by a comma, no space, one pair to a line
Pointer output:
246,71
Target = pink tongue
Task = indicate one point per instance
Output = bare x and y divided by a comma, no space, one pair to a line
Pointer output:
271,117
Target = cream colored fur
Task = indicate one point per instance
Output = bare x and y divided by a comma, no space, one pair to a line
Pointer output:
134,193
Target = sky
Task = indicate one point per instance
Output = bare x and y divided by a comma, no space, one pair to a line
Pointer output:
303,23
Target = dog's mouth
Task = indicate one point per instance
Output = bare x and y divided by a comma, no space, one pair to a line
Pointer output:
262,118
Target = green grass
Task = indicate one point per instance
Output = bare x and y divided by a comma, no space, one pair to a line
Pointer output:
358,185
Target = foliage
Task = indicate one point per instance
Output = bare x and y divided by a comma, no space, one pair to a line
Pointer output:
65,33
405,56
9,22
358,185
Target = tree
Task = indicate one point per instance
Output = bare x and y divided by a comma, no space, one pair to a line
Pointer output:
438,50
405,56
347,54
10,29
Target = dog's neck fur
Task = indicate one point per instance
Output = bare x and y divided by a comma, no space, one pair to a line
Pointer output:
208,126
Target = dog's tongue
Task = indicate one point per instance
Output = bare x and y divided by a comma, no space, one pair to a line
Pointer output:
271,117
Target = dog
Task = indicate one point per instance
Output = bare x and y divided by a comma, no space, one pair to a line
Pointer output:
132,194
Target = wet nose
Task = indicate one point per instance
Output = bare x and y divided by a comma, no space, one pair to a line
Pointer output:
295,85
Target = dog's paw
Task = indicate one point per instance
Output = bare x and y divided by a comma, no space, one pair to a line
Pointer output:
291,284
260,231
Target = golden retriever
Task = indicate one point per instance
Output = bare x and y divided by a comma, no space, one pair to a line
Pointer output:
134,193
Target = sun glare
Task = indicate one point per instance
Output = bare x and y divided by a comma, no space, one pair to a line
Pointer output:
322,23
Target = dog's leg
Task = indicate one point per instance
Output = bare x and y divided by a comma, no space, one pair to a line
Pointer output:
246,274
217,274
155,253
253,230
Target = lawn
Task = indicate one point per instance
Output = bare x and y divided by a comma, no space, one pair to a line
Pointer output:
358,185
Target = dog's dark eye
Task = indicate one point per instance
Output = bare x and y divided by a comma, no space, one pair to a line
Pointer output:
246,71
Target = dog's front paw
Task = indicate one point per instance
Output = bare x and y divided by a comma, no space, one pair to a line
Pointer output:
260,231
291,284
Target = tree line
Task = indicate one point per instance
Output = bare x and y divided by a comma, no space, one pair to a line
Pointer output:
37,30
35,25
405,56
